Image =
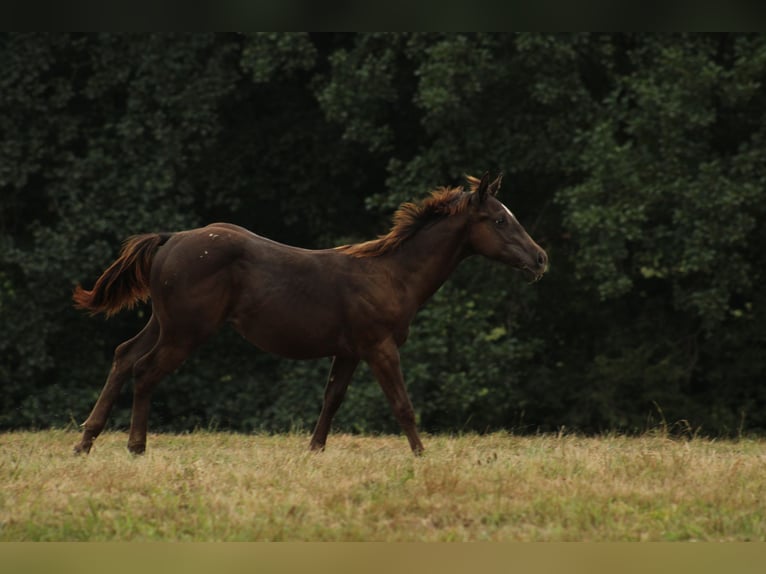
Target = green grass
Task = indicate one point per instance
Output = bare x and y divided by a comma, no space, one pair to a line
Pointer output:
210,486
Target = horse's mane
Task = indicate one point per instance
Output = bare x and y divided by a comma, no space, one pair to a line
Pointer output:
412,217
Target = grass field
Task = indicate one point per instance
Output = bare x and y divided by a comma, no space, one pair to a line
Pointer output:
209,486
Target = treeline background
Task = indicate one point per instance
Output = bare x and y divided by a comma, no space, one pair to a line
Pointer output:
636,160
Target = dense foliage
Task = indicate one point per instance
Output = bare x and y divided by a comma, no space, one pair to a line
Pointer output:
637,161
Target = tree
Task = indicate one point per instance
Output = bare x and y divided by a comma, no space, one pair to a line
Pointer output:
636,160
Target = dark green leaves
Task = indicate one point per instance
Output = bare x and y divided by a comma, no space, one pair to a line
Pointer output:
636,160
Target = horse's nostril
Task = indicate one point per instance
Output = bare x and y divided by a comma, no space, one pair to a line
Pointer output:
541,259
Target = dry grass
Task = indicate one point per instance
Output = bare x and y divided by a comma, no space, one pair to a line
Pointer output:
218,486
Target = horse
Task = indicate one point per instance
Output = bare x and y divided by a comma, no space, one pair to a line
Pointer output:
352,303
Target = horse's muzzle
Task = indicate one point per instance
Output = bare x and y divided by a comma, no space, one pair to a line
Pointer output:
534,274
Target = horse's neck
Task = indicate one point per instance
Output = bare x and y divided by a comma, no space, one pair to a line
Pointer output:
428,258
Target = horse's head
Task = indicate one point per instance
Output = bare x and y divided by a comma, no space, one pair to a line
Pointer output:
496,233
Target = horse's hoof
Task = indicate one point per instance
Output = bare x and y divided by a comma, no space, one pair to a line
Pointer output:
137,449
316,447
81,449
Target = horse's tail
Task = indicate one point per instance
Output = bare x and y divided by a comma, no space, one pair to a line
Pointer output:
124,282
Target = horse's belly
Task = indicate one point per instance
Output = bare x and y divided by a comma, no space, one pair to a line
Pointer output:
292,339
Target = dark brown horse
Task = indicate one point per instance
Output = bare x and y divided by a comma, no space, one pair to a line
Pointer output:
354,302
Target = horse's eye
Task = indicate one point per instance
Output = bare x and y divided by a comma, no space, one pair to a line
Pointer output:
500,221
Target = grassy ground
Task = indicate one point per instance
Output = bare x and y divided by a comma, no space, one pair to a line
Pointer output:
217,486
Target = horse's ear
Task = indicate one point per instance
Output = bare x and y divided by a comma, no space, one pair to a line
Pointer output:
483,188
494,187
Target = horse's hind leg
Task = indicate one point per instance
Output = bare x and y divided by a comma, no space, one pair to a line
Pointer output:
166,356
125,357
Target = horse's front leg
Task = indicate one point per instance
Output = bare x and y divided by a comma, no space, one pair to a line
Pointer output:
384,362
340,376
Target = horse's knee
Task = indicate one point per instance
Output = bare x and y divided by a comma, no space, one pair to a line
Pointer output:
333,397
